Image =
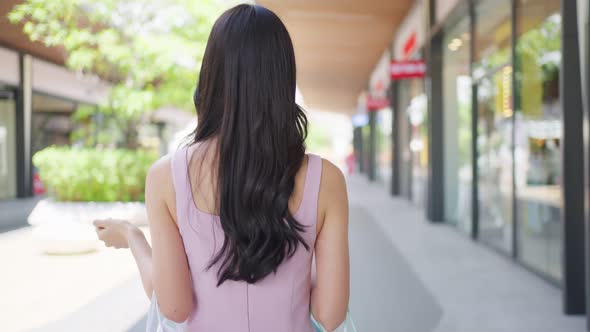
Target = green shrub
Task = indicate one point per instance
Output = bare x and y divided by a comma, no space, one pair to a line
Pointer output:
84,175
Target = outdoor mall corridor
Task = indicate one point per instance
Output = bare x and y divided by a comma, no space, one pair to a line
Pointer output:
407,275
461,125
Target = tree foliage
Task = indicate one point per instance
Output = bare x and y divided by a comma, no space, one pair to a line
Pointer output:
149,50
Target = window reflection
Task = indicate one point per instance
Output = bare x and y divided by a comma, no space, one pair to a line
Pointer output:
457,126
416,113
404,135
366,138
51,121
413,140
493,74
492,37
495,161
538,135
384,145
7,146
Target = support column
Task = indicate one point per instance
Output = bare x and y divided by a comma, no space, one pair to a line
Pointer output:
372,146
574,301
24,104
358,148
396,138
474,120
435,208
584,43
515,107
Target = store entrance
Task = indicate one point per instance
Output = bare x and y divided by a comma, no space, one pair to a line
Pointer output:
494,158
413,138
7,144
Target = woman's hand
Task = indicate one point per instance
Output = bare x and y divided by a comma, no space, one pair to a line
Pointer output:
114,232
123,234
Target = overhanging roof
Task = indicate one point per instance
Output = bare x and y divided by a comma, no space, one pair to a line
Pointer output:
12,36
337,44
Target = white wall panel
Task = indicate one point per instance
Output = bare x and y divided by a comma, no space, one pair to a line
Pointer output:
59,81
8,66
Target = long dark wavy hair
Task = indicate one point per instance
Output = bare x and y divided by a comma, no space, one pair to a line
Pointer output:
245,99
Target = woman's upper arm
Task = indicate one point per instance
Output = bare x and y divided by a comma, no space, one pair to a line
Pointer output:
331,292
171,276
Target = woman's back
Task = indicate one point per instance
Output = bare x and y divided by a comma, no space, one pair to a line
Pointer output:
280,301
245,263
242,262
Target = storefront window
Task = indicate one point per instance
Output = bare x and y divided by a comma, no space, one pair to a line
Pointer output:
405,176
384,146
51,122
537,135
457,126
492,37
7,145
493,76
413,134
416,112
413,140
366,139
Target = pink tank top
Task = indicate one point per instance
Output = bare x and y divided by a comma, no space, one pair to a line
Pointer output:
280,302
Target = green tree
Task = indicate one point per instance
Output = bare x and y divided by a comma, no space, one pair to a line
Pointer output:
150,51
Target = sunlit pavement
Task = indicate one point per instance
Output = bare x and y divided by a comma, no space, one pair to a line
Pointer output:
407,275
100,291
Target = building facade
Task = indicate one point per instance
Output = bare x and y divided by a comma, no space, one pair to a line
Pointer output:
490,139
37,99
38,96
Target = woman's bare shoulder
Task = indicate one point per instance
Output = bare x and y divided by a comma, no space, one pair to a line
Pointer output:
160,172
333,178
159,182
333,196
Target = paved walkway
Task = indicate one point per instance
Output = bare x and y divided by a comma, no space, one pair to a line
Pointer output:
407,275
425,277
13,213
94,292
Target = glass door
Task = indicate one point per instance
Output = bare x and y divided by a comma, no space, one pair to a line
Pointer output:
537,138
494,160
405,176
492,76
384,146
457,121
413,141
7,145
418,145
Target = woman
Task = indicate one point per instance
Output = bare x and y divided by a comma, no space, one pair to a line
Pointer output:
237,215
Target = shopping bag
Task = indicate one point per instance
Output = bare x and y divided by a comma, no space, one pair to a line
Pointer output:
156,322
346,326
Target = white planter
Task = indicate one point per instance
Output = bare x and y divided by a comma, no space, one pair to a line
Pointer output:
66,227
65,238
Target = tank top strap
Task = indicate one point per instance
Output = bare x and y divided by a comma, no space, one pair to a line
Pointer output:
182,187
311,188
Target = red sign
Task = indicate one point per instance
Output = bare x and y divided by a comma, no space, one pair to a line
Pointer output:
409,45
374,104
407,69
